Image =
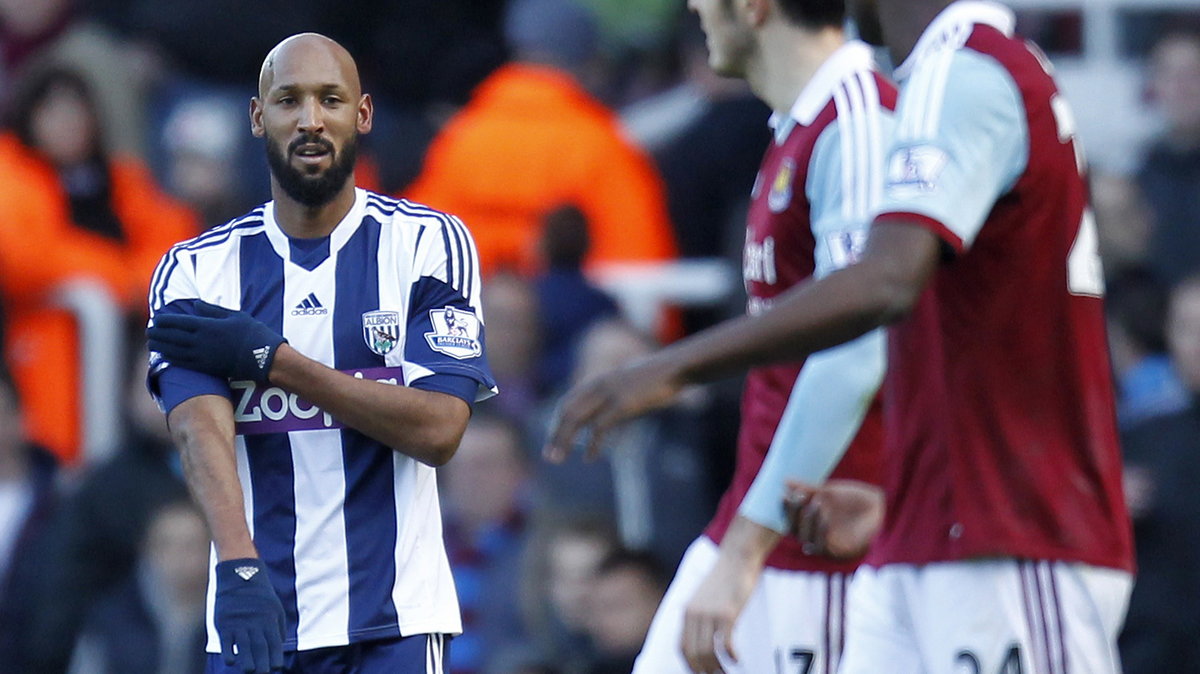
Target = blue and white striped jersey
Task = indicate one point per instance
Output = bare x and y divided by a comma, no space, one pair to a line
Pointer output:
349,529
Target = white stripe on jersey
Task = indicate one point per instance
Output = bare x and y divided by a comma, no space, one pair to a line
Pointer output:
164,275
861,134
926,94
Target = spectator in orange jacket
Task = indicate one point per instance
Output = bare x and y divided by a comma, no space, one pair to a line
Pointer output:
69,211
532,139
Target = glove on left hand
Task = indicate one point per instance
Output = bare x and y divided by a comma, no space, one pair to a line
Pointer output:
217,341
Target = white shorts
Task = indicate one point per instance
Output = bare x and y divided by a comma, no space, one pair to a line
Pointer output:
792,623
996,616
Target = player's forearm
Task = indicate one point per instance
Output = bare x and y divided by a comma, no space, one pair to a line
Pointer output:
817,314
203,430
825,410
425,425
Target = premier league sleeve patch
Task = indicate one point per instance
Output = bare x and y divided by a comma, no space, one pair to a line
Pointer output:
914,171
381,331
455,333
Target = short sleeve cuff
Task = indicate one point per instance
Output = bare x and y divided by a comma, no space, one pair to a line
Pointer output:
934,225
173,385
459,386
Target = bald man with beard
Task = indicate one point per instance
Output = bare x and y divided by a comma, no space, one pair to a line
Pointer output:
317,359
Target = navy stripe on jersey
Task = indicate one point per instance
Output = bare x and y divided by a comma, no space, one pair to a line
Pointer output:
370,509
272,475
215,236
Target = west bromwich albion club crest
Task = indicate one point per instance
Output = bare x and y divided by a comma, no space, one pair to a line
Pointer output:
381,331
781,188
455,333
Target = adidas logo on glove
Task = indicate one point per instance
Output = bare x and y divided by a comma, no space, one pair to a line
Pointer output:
261,354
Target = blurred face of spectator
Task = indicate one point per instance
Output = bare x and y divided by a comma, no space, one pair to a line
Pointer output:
623,603
730,40
573,564
512,326
177,550
311,110
1175,82
1183,332
485,477
64,127
1122,218
30,17
608,346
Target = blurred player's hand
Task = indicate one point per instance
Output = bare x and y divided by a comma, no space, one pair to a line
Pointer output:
592,408
838,519
710,616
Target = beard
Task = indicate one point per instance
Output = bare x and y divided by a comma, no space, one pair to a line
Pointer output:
312,189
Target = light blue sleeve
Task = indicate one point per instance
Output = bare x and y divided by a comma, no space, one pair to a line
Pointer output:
961,142
837,386
827,405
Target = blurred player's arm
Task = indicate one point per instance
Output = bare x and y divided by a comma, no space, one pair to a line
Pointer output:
827,405
815,315
203,430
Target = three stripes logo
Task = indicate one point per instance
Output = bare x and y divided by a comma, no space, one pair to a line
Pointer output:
311,306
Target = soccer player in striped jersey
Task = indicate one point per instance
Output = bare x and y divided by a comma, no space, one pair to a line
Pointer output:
1006,546
317,359
772,604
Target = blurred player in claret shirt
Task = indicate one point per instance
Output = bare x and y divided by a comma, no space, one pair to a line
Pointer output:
819,181
1006,545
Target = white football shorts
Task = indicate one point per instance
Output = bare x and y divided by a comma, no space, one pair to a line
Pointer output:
792,624
993,616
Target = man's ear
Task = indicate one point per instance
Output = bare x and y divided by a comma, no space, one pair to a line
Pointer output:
366,113
256,124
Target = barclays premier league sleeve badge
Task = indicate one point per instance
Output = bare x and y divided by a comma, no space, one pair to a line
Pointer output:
381,331
455,333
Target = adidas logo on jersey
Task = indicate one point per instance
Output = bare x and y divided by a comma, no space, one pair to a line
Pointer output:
311,306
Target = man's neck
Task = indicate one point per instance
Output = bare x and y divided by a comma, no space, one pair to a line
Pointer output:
304,222
787,61
904,22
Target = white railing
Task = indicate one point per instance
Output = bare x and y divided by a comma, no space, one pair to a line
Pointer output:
101,365
642,291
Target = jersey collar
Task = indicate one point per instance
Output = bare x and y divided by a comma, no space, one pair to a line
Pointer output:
955,23
337,238
854,56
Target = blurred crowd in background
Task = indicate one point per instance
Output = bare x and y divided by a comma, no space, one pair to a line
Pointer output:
594,156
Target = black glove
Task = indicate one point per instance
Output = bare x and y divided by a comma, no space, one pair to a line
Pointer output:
249,616
216,341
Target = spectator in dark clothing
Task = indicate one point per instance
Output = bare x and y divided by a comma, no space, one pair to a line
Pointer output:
153,622
1147,385
569,304
1170,175
92,544
1162,459
27,499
